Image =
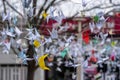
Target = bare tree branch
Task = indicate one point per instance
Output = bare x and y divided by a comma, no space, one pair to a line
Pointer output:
73,15
41,9
7,22
34,6
1,22
4,6
59,2
13,8
109,12
37,66
50,4
114,5
99,7
33,21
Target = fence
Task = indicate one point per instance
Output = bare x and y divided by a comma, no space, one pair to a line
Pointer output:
13,72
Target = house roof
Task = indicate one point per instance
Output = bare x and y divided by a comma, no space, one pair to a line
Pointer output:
71,22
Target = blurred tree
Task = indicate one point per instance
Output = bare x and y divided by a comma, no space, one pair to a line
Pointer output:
34,19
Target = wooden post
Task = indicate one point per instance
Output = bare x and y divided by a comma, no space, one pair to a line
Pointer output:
42,73
79,68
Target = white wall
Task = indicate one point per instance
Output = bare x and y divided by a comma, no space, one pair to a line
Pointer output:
7,58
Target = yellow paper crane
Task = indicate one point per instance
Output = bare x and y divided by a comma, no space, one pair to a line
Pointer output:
113,43
44,15
111,32
36,43
41,62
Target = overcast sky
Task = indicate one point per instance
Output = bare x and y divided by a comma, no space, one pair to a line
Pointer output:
70,7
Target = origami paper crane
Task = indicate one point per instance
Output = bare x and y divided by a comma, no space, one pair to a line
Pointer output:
59,17
86,37
47,50
41,62
52,9
113,43
70,39
54,33
84,3
47,40
51,13
3,34
44,15
14,20
64,52
30,36
36,43
59,69
103,37
7,44
30,12
6,16
63,28
37,34
9,33
24,58
96,18
35,56
99,25
18,31
26,3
